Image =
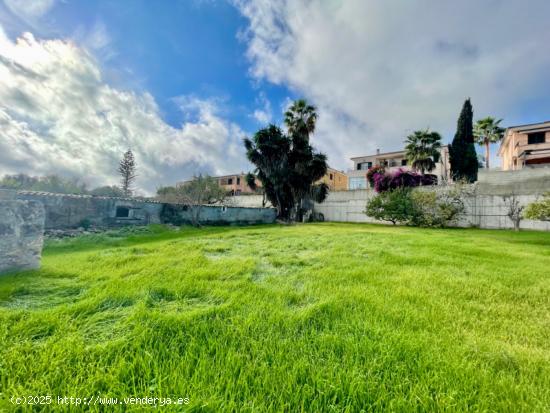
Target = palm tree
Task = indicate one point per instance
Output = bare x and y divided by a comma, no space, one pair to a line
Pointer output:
487,131
286,164
301,114
423,149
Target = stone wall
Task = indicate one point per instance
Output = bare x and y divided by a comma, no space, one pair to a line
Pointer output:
483,210
21,234
72,211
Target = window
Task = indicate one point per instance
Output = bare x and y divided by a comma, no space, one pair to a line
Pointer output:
403,162
122,212
230,181
238,180
369,165
534,138
331,177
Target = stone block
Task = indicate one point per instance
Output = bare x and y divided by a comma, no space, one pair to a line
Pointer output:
21,234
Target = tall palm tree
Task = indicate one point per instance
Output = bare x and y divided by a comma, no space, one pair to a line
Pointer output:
301,114
487,131
423,149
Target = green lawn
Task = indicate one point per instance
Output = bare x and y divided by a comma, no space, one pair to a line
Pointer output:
319,317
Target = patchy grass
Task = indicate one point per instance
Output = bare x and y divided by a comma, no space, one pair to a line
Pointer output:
322,317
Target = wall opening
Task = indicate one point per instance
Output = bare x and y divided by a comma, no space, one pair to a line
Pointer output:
122,212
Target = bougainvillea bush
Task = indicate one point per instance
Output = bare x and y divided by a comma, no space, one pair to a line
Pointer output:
374,170
382,182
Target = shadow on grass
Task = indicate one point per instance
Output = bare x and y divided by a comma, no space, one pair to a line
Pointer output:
155,233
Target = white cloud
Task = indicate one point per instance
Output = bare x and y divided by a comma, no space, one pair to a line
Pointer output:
30,11
379,70
57,115
264,114
29,8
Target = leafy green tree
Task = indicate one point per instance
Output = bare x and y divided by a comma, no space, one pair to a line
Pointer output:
539,210
423,150
194,194
393,206
462,152
127,171
487,131
286,164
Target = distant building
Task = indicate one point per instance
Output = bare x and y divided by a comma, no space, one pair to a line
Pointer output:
236,184
392,161
336,180
525,146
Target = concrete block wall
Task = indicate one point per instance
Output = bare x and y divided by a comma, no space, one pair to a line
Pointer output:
222,215
527,181
21,234
481,210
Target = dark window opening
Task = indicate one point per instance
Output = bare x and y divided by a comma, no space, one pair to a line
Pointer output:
230,181
403,162
122,212
238,181
369,165
331,177
534,138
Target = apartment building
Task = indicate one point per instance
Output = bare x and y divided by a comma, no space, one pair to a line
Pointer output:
392,161
236,184
525,146
335,179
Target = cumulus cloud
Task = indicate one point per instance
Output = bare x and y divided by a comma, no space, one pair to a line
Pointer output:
378,70
57,115
264,114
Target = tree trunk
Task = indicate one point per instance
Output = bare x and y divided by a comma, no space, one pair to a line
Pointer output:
487,143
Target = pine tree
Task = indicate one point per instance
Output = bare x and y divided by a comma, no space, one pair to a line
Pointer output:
462,152
127,171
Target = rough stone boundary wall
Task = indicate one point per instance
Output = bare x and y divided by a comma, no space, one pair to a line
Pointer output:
482,210
72,211
21,234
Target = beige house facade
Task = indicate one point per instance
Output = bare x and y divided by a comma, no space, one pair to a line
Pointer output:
335,179
525,146
392,161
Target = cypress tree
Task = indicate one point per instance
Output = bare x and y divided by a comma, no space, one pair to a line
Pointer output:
462,152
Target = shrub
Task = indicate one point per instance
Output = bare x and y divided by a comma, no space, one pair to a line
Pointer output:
400,179
374,170
539,210
418,208
392,206
382,182
437,208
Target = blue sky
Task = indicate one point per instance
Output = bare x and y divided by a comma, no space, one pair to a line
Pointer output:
182,82
187,47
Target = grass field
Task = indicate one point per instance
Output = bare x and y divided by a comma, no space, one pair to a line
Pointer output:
320,317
